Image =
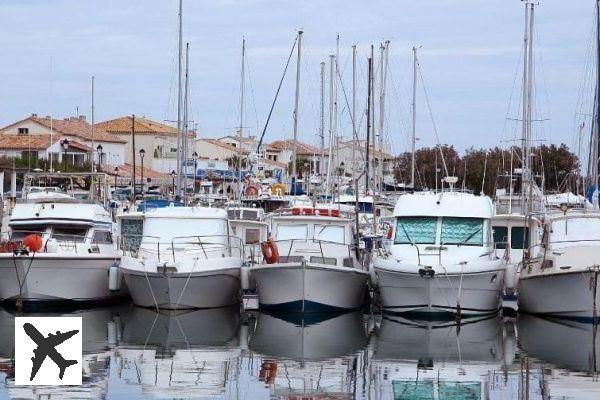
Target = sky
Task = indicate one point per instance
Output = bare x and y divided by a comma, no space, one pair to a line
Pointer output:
469,63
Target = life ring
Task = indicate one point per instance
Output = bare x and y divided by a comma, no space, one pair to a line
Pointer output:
8,247
33,242
270,251
268,371
251,191
390,231
278,189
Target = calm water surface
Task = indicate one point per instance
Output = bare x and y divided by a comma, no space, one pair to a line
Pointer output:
132,353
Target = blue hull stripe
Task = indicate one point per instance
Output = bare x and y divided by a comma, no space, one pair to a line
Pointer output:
309,307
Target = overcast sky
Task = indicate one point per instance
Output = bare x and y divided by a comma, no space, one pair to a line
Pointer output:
469,61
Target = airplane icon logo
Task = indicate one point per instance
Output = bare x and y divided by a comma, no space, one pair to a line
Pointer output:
47,348
48,351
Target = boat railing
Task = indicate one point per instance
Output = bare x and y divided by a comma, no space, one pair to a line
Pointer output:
13,240
208,246
317,249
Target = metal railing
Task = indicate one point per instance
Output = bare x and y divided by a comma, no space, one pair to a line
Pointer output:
348,248
208,246
66,242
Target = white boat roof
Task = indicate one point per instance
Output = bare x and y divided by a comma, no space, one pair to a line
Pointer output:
187,212
444,204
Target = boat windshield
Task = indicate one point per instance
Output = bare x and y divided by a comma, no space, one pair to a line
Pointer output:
330,233
168,229
462,231
416,230
292,231
574,231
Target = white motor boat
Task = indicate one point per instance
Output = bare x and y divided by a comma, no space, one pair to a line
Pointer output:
561,276
58,249
310,264
186,258
442,258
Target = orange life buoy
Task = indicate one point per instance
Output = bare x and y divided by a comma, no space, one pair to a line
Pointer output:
33,242
270,251
389,232
251,191
8,247
268,371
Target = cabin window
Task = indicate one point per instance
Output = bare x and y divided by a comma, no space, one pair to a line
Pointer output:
323,260
102,237
252,236
462,231
69,233
330,233
500,236
290,232
417,230
519,237
19,232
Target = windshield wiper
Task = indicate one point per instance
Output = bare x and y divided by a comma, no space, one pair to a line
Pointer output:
471,235
407,235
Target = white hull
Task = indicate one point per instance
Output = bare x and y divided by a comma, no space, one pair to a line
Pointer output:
217,287
563,294
43,278
309,287
477,293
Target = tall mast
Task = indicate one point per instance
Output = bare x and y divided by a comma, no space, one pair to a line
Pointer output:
241,127
369,90
322,118
331,128
597,101
414,120
295,146
335,102
179,101
184,137
383,82
354,135
93,127
526,127
372,109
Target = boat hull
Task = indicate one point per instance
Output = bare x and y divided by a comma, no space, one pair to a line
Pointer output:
564,294
297,287
477,293
48,280
203,289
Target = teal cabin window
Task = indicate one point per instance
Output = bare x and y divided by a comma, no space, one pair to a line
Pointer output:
417,230
462,231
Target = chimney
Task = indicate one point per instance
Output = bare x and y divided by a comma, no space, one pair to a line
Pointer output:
82,118
34,115
47,117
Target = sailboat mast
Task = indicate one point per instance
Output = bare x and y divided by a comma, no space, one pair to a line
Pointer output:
354,135
368,143
597,102
526,173
414,120
241,126
322,119
184,137
331,101
295,145
382,89
179,98
93,128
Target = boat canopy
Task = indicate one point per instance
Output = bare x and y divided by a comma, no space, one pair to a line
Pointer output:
445,204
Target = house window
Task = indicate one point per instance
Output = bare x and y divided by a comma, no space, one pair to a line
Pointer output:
23,131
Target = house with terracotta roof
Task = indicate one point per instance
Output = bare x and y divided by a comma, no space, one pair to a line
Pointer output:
282,151
349,150
72,138
247,142
158,140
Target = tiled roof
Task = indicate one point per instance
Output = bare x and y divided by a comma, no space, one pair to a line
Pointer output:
271,162
361,145
302,149
224,145
125,171
143,126
25,142
77,127
79,146
245,139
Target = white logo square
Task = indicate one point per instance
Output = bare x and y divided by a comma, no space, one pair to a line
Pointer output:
48,350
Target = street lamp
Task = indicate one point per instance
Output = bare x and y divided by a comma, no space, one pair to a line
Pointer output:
195,158
99,150
173,175
142,154
116,175
65,146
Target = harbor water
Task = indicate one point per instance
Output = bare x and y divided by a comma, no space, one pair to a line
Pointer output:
134,353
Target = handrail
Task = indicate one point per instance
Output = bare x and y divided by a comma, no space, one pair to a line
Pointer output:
349,247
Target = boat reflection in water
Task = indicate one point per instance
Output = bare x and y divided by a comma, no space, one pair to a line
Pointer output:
100,328
571,347
312,357
179,354
426,359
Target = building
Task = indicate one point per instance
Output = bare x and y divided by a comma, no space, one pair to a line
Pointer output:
247,143
352,154
282,151
71,138
158,140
